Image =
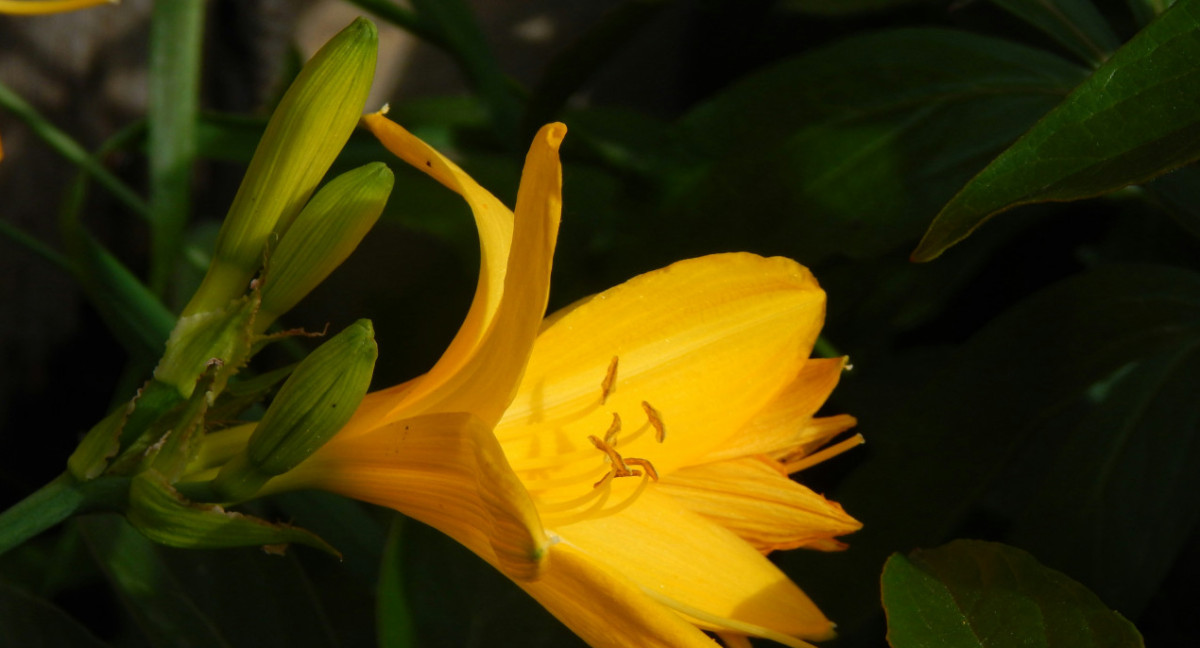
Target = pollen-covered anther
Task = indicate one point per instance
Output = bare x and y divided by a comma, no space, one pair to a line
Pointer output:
610,380
620,465
610,437
646,465
660,432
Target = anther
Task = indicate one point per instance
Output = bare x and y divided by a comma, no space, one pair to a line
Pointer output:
610,380
610,437
660,432
649,467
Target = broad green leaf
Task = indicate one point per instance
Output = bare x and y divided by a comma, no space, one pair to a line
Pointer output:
1136,117
26,620
946,427
848,149
1076,24
973,594
1122,496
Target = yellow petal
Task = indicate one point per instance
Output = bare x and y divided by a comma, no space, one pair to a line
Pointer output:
482,368
34,7
445,470
756,500
706,342
607,610
493,220
785,425
700,569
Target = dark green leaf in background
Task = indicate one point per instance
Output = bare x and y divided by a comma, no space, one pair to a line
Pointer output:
840,7
945,429
971,594
32,622
1136,117
1076,24
848,149
1123,494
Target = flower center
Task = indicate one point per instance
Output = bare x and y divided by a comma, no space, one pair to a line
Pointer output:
563,465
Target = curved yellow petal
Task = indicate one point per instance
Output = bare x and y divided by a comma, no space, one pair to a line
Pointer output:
445,470
755,499
493,220
37,7
607,610
705,342
482,368
785,425
700,569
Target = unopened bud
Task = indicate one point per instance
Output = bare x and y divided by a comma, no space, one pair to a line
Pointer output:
304,135
316,401
327,230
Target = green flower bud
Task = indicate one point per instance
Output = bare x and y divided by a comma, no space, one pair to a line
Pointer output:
303,136
316,401
322,236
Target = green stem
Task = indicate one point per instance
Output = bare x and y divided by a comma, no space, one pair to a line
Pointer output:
55,502
70,149
401,17
176,36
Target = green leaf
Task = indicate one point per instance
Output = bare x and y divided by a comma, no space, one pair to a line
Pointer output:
988,595
393,618
848,149
133,313
1076,24
153,597
458,32
949,427
1136,117
574,66
1178,193
1122,496
26,620
176,36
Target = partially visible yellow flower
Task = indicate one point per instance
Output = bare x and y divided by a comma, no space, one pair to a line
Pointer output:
626,461
36,7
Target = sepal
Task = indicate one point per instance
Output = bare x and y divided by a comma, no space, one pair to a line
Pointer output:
161,514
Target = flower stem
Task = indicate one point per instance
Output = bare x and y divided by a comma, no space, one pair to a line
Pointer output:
55,502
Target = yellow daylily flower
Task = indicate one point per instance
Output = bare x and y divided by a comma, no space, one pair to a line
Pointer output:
626,460
37,7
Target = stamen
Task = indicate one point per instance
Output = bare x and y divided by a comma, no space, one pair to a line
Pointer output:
649,467
610,437
618,462
610,380
567,505
660,433
821,455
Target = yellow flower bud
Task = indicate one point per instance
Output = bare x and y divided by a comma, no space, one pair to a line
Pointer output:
303,136
315,402
322,236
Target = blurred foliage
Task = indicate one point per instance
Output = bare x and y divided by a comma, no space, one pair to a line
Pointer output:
1034,385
